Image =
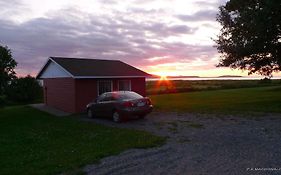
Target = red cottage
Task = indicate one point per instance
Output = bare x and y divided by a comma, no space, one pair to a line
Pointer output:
71,83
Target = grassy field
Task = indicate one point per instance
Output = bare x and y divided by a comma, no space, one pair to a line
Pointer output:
260,99
174,86
33,142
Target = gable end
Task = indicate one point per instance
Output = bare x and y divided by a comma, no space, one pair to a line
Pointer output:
53,70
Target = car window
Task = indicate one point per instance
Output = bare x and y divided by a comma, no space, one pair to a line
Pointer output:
106,97
115,96
101,98
129,95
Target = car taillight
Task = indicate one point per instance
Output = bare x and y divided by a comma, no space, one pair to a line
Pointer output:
128,104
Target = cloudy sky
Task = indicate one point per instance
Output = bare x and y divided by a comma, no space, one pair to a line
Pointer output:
171,37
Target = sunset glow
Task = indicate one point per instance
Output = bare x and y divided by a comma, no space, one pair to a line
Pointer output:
163,77
161,37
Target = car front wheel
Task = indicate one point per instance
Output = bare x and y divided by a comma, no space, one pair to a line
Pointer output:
116,117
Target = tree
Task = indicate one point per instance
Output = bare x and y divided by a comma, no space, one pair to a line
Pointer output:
7,65
250,37
24,90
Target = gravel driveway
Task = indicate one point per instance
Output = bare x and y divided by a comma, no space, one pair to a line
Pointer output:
200,144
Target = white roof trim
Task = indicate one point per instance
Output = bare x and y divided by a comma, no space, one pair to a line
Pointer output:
62,67
80,77
52,70
50,59
42,68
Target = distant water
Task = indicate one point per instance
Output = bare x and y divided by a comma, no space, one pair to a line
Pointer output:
213,78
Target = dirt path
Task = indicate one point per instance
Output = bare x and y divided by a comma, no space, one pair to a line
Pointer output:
199,145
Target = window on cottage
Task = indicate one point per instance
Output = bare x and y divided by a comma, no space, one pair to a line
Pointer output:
124,85
104,86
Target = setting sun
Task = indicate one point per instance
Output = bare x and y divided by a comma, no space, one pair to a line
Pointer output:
163,77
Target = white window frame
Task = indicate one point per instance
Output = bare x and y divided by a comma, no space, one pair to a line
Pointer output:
130,84
98,85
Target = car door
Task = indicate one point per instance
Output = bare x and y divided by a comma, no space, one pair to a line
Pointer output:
97,107
107,105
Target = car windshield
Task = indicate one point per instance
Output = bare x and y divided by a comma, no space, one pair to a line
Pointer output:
127,96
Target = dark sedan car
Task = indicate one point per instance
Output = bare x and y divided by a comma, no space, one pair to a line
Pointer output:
119,105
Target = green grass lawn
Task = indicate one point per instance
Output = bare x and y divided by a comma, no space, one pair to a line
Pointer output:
173,86
261,99
34,142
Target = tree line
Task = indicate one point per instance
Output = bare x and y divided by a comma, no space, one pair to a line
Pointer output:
14,89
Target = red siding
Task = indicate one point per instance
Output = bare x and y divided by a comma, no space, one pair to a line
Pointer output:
59,93
138,86
72,95
115,84
86,91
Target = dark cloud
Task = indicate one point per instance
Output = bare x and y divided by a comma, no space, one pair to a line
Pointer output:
137,10
164,30
12,7
204,15
142,1
210,4
72,33
108,2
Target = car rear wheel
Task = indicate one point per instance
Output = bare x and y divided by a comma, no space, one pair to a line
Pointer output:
90,113
116,117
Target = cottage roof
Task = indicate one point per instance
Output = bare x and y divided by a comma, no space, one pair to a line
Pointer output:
92,68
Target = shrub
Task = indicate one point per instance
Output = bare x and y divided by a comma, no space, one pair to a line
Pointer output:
265,81
3,100
24,90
